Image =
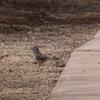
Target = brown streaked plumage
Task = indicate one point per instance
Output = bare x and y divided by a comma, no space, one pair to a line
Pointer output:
39,56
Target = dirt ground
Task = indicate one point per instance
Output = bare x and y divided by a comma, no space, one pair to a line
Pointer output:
23,79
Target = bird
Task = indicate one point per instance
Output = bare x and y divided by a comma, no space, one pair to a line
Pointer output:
40,58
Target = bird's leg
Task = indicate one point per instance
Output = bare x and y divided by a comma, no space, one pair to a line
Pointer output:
40,63
37,63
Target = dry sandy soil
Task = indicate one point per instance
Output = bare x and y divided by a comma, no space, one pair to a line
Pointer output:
20,77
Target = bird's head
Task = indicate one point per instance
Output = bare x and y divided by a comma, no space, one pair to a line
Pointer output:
35,50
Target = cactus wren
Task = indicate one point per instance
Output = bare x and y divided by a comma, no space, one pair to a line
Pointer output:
39,56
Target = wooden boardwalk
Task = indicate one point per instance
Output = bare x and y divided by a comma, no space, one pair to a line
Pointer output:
80,79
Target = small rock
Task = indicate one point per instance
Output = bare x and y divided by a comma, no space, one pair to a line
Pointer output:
30,32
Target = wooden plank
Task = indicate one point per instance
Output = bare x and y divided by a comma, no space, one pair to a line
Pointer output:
80,79
93,45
